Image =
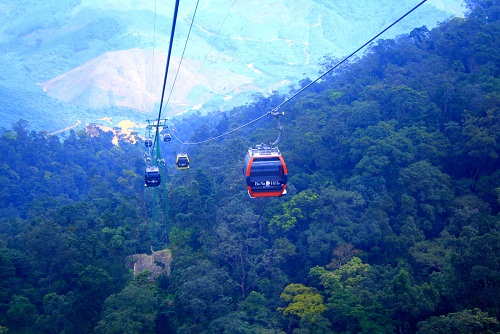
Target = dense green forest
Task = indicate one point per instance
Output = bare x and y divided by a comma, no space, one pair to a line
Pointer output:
391,223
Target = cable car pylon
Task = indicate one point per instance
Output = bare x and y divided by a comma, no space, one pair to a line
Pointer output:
160,195
158,161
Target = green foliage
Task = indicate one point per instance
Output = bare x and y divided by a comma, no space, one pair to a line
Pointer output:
7,274
391,224
431,192
353,308
256,310
21,312
470,274
409,301
482,134
132,310
303,302
296,211
253,316
464,322
202,291
94,285
56,317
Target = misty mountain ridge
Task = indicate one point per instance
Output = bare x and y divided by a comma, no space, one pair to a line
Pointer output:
96,60
390,223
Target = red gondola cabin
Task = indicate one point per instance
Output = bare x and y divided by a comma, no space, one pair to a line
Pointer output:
265,172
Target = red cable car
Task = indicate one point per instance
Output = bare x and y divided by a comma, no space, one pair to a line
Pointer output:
265,172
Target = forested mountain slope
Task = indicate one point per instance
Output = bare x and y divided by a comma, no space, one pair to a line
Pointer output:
391,223
63,61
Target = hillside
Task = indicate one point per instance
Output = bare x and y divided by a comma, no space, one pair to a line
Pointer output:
124,79
391,223
236,49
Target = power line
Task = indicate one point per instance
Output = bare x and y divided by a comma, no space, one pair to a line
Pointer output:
349,56
275,109
183,51
222,135
187,39
214,41
172,32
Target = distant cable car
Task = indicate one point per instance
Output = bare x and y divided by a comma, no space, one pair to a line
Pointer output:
265,172
152,178
148,143
167,138
182,161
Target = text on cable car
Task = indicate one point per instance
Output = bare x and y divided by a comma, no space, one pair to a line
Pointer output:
267,183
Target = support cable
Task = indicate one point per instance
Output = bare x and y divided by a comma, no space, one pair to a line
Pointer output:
183,51
274,111
349,56
222,135
172,32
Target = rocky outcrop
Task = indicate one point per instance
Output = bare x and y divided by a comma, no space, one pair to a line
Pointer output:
157,263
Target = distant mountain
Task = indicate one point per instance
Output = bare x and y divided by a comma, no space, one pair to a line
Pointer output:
125,79
85,60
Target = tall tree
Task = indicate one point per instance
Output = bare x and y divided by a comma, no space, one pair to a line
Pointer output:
133,310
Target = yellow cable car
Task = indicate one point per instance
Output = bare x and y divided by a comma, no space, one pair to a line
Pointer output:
182,161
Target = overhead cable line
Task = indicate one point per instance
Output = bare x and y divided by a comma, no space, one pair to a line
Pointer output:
222,135
217,35
346,58
183,51
172,32
203,63
273,111
159,195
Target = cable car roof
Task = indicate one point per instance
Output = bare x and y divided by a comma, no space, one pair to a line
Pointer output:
264,150
152,169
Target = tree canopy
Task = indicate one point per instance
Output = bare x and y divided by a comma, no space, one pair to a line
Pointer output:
391,222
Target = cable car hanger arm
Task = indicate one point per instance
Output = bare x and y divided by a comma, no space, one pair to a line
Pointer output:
277,114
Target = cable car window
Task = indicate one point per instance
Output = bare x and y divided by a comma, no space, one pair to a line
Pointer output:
266,168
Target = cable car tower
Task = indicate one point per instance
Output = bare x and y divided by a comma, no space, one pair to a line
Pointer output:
155,173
